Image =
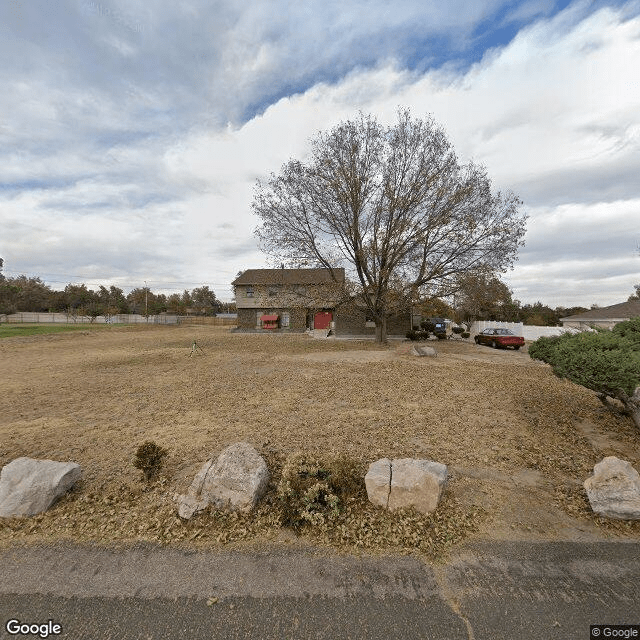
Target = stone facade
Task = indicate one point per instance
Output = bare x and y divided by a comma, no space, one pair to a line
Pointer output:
351,319
249,319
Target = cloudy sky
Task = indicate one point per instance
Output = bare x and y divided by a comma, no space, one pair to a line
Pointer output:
132,132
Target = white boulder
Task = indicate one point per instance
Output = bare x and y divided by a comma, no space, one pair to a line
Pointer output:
236,481
397,484
423,350
378,482
416,483
29,486
614,489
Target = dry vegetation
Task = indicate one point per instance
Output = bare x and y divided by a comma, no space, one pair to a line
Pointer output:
518,441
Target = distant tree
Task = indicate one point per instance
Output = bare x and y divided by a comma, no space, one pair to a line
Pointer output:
174,304
435,308
565,312
608,362
636,295
79,298
539,314
8,296
395,206
25,294
186,300
204,301
1,266
481,296
143,301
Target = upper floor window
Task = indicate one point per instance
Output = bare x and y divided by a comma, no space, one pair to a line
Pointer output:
249,292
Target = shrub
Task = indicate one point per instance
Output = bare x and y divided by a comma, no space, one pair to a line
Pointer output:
312,491
417,334
427,326
457,330
608,362
149,459
465,334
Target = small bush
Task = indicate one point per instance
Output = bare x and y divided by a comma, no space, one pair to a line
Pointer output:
465,334
311,491
427,326
412,335
149,459
457,330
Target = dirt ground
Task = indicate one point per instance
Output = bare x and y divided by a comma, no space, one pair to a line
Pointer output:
518,441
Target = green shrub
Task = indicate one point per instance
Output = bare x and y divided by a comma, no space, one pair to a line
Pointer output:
457,330
412,335
544,348
149,459
311,491
465,334
427,326
607,362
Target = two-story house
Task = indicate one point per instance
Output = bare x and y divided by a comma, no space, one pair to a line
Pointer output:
294,300
288,299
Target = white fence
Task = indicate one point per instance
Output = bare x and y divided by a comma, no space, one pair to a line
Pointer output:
527,331
126,318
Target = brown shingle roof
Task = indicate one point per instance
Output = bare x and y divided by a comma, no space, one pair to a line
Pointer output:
622,311
288,276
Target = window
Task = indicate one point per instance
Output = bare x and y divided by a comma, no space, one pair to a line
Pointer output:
284,320
249,292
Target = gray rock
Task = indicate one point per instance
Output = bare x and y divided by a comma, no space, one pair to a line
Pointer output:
397,484
424,351
236,481
416,483
378,482
614,489
29,486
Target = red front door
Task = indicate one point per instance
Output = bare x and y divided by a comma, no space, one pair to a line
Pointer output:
322,319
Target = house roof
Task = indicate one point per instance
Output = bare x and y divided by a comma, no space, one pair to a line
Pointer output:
288,276
622,311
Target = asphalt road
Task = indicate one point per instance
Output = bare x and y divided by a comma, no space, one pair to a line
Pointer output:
489,591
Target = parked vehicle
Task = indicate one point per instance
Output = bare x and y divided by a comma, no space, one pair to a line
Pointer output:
440,327
499,338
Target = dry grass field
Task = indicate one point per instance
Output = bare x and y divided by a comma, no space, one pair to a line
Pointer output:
518,441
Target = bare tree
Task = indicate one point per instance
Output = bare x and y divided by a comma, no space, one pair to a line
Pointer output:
394,206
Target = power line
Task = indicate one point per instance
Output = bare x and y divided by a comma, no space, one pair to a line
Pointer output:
156,284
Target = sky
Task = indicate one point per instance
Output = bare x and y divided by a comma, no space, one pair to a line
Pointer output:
132,132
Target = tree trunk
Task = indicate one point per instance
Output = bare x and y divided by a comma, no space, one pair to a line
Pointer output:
381,330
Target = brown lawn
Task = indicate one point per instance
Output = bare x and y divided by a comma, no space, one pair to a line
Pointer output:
518,441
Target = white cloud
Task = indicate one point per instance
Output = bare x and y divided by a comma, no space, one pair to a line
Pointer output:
135,158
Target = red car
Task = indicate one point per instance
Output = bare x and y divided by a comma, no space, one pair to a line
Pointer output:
499,338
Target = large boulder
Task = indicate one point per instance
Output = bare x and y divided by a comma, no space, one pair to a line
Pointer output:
397,484
29,486
423,350
378,482
235,481
416,483
614,489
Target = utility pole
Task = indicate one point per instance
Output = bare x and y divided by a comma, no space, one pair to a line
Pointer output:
146,301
